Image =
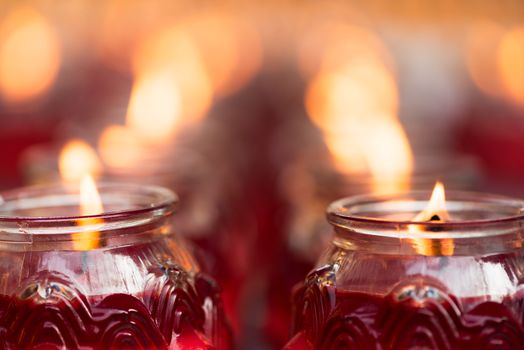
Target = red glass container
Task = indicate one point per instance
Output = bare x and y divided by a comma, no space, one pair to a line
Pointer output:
138,288
387,282
308,189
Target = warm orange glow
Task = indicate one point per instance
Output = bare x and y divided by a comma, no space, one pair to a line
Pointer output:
171,90
154,107
90,204
435,211
169,58
353,92
121,23
482,42
29,55
331,44
354,101
119,146
510,58
230,47
77,158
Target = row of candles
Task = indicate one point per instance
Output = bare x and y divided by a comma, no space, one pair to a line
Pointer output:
227,262
102,267
105,270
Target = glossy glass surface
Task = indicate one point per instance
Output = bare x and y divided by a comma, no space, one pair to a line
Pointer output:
390,283
137,288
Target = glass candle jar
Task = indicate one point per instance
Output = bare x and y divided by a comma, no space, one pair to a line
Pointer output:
308,189
209,191
136,287
389,282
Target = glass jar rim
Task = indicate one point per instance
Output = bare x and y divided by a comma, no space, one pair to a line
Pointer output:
339,213
161,199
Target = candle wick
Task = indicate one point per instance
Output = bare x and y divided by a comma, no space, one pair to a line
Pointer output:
435,217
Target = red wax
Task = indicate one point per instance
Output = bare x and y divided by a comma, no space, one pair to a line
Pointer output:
416,317
170,314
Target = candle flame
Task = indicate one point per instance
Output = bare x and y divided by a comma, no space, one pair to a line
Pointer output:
436,206
435,211
77,158
90,204
30,55
78,163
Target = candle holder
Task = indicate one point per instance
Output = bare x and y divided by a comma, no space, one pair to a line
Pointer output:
390,282
209,189
308,189
139,287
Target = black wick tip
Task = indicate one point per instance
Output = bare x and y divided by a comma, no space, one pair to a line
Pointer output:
435,217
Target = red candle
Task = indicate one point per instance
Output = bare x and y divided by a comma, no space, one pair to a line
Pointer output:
404,274
119,279
307,233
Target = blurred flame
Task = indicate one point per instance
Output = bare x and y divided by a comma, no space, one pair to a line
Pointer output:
435,211
172,54
171,89
119,146
510,58
77,158
355,101
78,163
30,55
90,204
154,107
493,57
177,71
482,42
